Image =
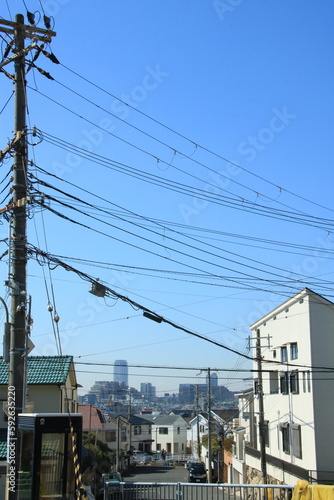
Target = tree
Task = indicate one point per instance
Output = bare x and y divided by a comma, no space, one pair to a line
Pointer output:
99,453
219,442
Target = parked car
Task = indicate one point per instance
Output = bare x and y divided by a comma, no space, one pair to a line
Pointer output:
197,473
188,464
141,457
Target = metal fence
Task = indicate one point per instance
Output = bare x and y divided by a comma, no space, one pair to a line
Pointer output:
186,491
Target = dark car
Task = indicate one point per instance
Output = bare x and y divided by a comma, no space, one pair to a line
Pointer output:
197,473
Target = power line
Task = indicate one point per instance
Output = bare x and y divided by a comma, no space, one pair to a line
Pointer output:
232,202
113,294
196,144
162,226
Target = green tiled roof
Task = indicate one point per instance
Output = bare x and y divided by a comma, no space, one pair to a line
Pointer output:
42,369
3,444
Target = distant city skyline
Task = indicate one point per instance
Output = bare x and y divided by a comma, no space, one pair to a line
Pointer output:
121,372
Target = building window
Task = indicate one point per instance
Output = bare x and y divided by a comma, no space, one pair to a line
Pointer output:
163,430
110,436
137,430
202,428
284,383
274,353
293,350
158,446
308,381
294,382
266,432
178,430
285,438
273,382
296,441
284,354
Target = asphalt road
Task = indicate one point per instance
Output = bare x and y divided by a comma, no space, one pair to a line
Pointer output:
157,473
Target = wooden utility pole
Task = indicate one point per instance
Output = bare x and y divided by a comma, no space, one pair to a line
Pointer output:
261,409
197,422
209,428
16,283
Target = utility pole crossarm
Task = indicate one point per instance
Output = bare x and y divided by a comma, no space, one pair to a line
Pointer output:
18,137
19,203
19,54
28,31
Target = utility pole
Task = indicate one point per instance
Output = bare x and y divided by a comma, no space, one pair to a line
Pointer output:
18,267
209,427
197,421
261,409
19,322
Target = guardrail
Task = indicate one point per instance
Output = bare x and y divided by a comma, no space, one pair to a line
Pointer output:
186,491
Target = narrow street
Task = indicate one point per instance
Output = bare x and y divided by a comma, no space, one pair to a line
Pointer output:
157,473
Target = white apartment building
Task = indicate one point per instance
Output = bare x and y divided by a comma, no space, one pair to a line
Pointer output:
298,388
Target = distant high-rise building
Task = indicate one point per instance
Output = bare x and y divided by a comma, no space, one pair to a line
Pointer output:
213,379
187,393
148,391
121,371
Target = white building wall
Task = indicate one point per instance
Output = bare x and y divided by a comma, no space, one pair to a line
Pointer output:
322,343
307,321
174,441
203,430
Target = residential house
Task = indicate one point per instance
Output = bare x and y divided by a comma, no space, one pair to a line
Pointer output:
222,422
169,433
51,388
93,421
297,372
243,433
141,433
113,431
51,385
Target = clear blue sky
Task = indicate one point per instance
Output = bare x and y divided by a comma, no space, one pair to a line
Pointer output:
247,86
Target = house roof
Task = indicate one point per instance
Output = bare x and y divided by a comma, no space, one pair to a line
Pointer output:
246,392
42,369
3,444
164,419
226,415
92,417
289,303
137,420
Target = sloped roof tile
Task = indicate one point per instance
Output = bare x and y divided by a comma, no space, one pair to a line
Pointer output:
42,369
